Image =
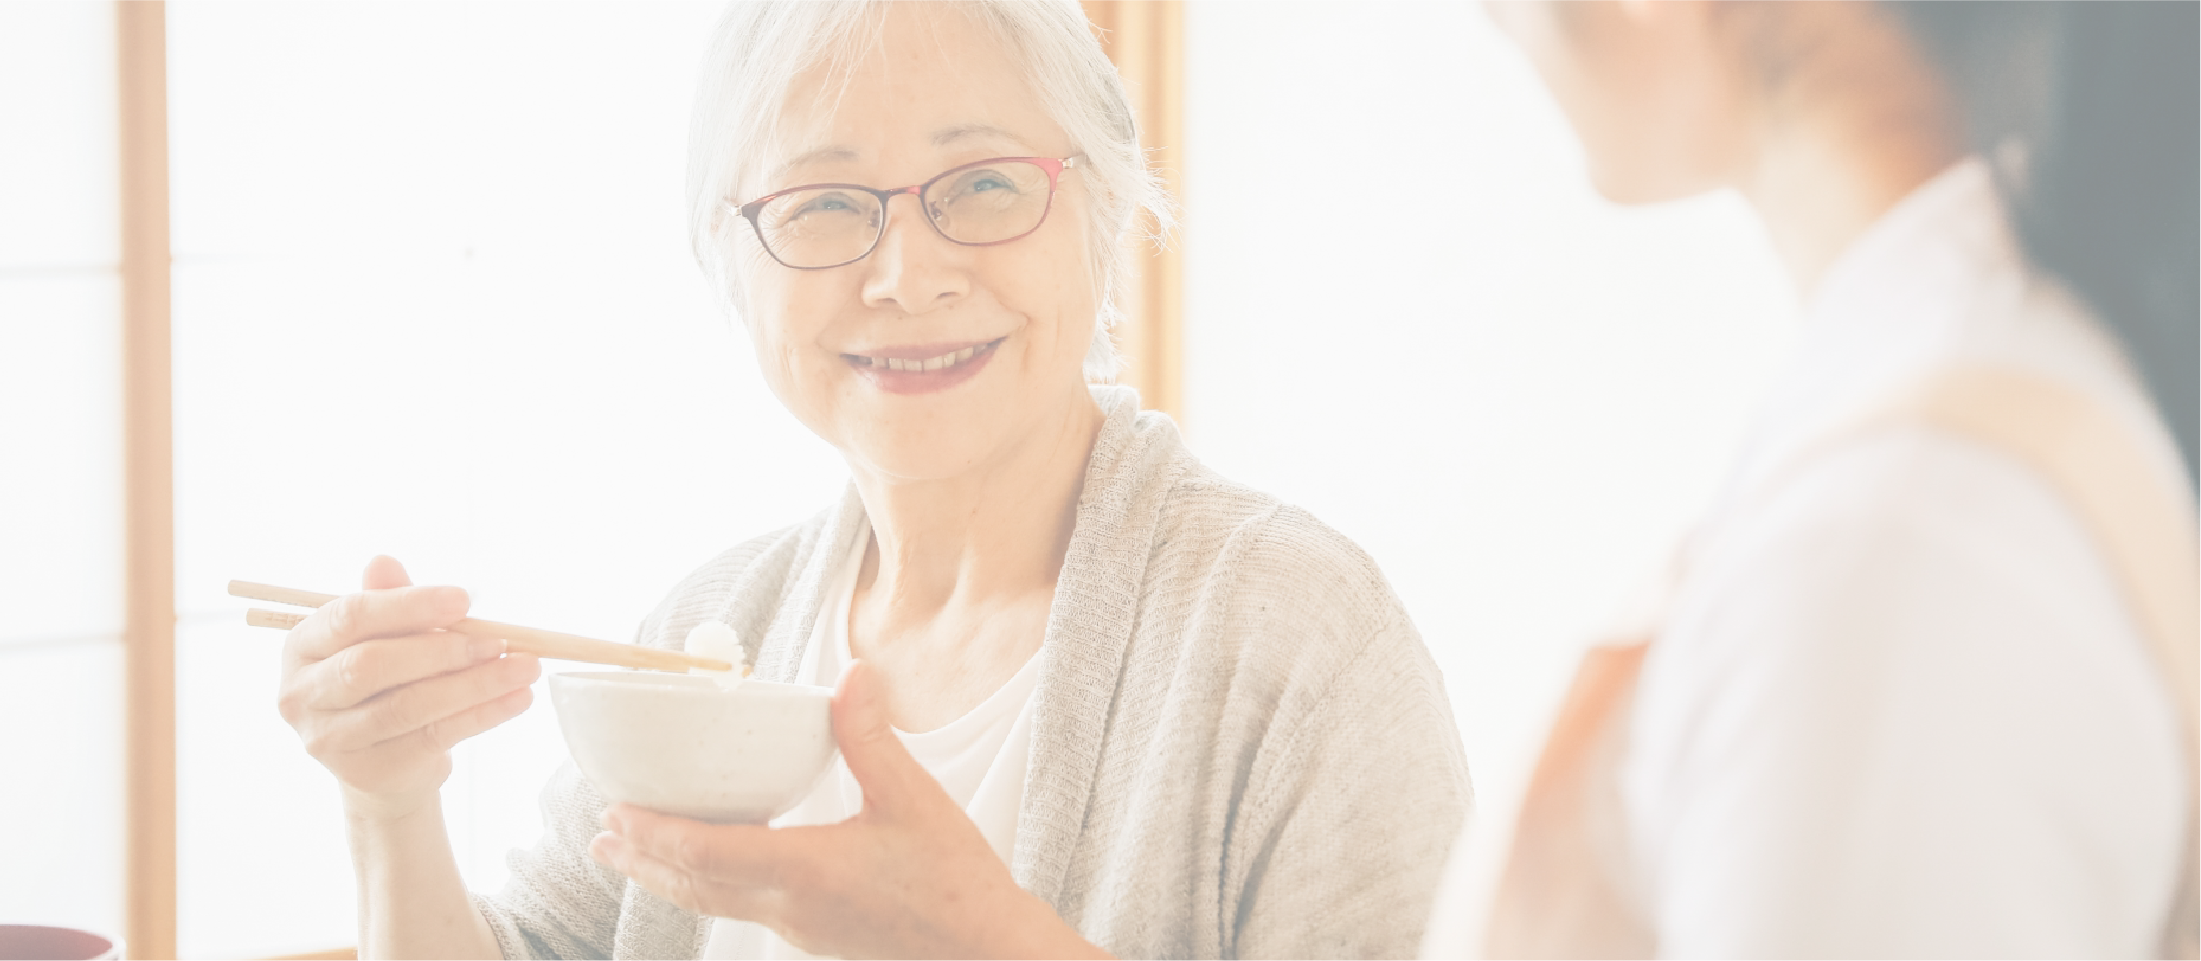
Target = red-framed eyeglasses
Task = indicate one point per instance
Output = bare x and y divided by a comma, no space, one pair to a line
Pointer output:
817,226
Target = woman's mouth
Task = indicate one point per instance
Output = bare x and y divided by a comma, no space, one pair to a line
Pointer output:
923,368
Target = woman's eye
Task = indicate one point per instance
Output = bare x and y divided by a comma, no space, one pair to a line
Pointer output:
983,181
825,205
820,211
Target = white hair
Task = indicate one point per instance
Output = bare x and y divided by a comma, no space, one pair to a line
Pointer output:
761,46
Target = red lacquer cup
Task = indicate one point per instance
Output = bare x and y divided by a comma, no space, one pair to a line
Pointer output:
38,942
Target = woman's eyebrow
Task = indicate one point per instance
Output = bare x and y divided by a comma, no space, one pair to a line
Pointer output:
947,136
836,152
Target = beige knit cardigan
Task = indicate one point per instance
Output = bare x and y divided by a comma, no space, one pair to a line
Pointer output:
1240,747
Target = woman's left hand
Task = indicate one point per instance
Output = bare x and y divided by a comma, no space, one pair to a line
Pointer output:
909,876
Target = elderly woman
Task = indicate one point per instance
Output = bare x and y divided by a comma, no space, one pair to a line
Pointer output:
1093,697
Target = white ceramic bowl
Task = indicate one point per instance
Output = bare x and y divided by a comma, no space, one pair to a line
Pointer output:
683,745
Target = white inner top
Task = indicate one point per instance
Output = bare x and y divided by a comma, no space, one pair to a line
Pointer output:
980,758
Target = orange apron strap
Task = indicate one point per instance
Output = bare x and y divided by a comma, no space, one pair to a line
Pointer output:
1566,889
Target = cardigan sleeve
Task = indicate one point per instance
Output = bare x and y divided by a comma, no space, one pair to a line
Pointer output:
1363,785
558,903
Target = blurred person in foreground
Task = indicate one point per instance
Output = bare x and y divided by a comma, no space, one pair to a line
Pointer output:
1922,683
1093,697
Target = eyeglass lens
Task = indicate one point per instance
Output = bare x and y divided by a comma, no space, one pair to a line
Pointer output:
826,226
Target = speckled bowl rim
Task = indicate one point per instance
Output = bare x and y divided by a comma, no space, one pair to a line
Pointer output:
686,685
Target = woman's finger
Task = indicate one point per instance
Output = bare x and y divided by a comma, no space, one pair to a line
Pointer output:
655,876
732,851
383,572
401,760
384,613
880,762
402,712
370,667
697,892
445,733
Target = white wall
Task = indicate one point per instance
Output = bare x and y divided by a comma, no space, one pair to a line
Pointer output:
1407,312
433,299
60,469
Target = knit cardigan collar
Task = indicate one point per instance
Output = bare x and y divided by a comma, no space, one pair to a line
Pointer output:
1135,460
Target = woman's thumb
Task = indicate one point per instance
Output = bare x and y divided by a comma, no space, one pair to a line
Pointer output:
875,754
384,572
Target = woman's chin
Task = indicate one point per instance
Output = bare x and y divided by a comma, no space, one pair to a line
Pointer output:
901,462
927,425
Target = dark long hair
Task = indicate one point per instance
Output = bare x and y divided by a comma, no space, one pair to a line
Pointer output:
2091,113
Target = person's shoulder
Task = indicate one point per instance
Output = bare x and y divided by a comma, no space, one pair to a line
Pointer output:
1302,621
1897,491
1280,541
1279,572
1908,538
743,583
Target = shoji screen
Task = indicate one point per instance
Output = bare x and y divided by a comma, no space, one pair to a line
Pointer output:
1407,311
433,299
60,469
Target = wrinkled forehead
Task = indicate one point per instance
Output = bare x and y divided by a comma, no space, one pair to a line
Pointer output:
950,140
929,85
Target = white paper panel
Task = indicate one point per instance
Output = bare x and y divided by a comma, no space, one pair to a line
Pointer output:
621,436
61,858
265,868
1408,312
60,456
58,165
491,801
301,129
434,300
325,129
320,418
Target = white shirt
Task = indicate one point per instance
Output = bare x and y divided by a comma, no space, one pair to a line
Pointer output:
1899,707
980,758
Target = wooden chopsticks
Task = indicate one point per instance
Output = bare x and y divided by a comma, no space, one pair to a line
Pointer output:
518,640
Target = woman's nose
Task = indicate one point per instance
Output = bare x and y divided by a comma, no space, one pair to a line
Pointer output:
914,268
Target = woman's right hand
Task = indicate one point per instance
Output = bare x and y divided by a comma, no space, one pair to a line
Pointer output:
379,692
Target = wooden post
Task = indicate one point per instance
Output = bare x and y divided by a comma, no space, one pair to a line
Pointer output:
149,576
1145,39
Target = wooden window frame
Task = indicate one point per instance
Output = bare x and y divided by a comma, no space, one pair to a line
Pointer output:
148,463
1144,38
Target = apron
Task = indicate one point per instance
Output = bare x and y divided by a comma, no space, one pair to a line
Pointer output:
1567,886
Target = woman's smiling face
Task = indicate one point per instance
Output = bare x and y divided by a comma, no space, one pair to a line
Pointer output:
998,334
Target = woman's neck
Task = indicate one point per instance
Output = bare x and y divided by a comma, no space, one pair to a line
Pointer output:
992,534
1844,141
